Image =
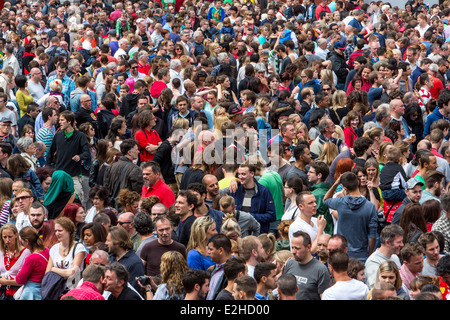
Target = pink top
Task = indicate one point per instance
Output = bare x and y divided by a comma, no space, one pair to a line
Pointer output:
33,268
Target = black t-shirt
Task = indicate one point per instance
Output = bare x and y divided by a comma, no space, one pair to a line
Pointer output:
127,294
224,295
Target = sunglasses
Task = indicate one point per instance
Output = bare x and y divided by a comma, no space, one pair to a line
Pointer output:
23,198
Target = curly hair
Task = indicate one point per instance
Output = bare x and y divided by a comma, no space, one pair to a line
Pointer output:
128,197
173,267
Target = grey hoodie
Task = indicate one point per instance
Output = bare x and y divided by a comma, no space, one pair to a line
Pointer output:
357,221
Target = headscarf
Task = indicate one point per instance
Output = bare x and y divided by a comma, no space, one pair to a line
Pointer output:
61,182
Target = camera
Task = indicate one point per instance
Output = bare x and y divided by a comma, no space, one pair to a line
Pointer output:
144,280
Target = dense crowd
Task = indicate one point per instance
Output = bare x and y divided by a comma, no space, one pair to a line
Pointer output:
224,150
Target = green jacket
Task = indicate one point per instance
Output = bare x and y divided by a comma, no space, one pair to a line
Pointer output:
319,191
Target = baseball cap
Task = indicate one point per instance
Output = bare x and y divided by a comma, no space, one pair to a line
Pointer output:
235,109
112,32
411,183
339,45
4,119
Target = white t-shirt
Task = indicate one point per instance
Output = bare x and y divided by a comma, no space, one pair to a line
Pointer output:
65,262
22,221
346,290
301,225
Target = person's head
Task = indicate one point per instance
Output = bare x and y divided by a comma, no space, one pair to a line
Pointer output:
75,212
24,197
430,244
201,230
350,181
196,280
9,238
412,256
125,220
287,287
130,148
65,230
67,120
338,262
265,274
302,153
99,196
219,248
301,246
307,203
318,172
185,203
37,215
251,249
434,182
388,272
337,241
30,239
234,268
244,288
116,278
93,232
391,237
118,240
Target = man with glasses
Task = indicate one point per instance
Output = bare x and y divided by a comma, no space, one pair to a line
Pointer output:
24,198
125,220
86,114
134,71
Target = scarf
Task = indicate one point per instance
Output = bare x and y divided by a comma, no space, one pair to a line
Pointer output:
61,182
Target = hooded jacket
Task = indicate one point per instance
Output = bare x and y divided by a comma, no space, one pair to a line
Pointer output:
129,104
357,222
339,66
262,205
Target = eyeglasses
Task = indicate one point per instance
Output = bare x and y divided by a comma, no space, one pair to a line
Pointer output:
123,222
86,101
326,89
134,67
23,198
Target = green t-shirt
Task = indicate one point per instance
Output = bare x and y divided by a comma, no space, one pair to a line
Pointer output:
272,181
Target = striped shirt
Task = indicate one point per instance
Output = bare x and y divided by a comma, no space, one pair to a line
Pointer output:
45,135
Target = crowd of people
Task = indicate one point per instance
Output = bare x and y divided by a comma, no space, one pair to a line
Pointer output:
224,150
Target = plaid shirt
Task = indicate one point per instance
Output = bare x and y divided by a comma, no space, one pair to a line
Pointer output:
68,85
443,225
87,291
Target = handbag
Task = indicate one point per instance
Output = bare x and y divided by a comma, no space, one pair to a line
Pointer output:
18,293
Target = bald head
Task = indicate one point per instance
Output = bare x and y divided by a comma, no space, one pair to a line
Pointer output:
212,186
125,220
85,101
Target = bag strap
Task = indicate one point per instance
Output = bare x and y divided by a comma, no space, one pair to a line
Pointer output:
71,199
118,182
42,256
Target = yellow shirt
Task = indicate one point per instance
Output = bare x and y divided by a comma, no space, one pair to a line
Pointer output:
225,183
23,100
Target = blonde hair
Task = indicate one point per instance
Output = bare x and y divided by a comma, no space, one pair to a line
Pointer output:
268,241
338,99
13,228
173,267
259,103
197,239
329,153
282,256
305,129
230,225
56,85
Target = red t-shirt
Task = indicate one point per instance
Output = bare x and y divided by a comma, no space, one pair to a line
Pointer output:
144,138
162,191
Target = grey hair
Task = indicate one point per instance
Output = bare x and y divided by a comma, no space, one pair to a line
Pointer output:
175,63
24,143
72,63
369,125
221,56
